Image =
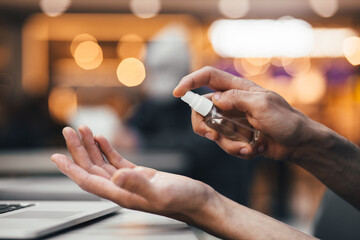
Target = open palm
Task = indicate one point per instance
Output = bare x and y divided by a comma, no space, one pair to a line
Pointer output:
126,184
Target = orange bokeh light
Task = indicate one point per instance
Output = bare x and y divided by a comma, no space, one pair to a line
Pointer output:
131,72
62,104
88,55
131,46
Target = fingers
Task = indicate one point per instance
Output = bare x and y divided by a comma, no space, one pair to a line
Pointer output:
98,185
93,150
214,78
80,155
234,99
112,156
200,127
236,148
80,175
134,181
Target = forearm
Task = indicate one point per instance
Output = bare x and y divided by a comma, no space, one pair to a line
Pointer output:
230,220
333,159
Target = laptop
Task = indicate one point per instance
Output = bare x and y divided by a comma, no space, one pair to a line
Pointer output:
33,219
37,205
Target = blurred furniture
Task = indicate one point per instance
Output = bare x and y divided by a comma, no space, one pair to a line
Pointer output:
38,161
337,219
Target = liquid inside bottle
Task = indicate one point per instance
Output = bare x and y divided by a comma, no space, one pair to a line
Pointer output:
232,125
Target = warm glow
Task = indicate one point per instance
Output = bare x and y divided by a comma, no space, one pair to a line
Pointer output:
145,9
5,59
276,61
329,41
79,39
351,48
325,8
54,8
357,91
310,87
88,55
131,72
131,45
234,8
296,66
261,38
251,66
62,104
35,56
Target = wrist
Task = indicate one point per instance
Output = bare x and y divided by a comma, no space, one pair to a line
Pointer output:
213,215
314,137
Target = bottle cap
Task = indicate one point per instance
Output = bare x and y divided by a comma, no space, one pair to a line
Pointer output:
199,103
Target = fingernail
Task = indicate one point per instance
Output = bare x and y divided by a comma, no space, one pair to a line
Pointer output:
175,89
60,163
80,134
209,135
63,133
244,151
217,96
261,148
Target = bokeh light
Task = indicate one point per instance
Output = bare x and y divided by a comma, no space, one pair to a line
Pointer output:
296,66
251,66
131,46
310,87
276,61
54,8
325,8
79,39
131,72
351,48
62,104
239,38
88,55
328,42
145,9
234,8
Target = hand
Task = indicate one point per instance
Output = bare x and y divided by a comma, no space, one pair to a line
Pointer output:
282,127
162,193
128,185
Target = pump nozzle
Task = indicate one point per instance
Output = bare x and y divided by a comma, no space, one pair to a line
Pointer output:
199,103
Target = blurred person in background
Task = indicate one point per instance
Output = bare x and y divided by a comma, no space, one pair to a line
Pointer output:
288,135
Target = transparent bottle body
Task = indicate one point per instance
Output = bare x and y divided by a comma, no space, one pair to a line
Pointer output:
233,126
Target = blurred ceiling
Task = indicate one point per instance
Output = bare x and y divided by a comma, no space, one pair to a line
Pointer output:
201,8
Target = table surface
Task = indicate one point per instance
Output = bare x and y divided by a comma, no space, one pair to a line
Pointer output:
125,224
129,224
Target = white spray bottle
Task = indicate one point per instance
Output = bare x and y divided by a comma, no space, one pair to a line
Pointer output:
232,126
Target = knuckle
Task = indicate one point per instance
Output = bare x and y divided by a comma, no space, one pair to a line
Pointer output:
208,69
266,101
235,93
232,94
200,129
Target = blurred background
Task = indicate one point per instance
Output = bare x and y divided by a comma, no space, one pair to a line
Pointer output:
113,64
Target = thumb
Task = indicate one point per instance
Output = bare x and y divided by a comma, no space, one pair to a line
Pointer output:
236,99
134,181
